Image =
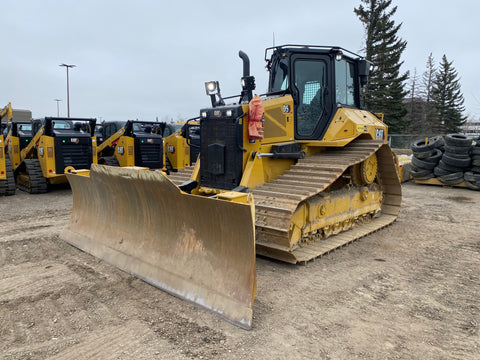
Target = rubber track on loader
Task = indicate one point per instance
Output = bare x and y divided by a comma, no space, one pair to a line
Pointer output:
276,202
180,176
7,186
38,184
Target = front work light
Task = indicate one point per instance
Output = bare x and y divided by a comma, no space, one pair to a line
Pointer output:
212,87
213,90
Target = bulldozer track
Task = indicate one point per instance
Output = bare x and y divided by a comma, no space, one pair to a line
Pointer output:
36,183
276,202
182,175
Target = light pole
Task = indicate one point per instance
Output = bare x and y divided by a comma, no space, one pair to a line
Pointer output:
58,111
68,94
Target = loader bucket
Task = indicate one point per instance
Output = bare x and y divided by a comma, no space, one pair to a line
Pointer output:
199,249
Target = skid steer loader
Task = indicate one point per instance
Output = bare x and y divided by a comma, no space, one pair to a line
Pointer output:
183,146
317,166
7,180
12,121
18,138
134,144
59,145
181,151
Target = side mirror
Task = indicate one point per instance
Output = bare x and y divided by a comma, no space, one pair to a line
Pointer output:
364,69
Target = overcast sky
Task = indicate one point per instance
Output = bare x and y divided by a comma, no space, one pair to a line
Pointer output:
145,59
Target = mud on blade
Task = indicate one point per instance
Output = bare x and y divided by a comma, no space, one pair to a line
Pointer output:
199,249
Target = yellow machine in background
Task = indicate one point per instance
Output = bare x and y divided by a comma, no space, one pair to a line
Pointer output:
177,151
135,144
181,151
12,138
19,135
59,145
7,180
318,167
7,187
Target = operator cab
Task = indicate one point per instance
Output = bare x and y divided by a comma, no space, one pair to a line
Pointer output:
320,79
71,140
3,130
148,145
22,130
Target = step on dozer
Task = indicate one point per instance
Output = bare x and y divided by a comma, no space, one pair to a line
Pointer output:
197,248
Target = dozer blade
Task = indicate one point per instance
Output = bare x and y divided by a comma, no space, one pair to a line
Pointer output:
199,249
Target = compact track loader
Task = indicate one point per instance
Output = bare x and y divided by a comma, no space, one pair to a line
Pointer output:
59,145
18,138
7,180
183,146
15,127
318,167
181,151
134,144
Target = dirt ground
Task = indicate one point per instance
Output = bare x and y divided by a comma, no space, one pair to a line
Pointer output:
410,291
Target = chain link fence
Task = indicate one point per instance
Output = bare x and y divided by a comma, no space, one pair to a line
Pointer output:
404,141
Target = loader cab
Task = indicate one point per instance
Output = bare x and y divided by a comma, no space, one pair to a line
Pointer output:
23,131
99,133
320,79
191,132
106,129
162,128
111,127
147,145
71,139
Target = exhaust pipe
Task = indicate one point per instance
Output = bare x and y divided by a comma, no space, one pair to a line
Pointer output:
248,82
246,63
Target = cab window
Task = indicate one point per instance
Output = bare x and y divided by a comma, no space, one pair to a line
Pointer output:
345,83
167,132
310,82
62,124
110,129
280,76
25,127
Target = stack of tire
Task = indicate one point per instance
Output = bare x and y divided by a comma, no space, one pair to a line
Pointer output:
472,177
456,160
426,157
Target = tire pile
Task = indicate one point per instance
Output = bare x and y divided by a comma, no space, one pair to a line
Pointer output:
452,160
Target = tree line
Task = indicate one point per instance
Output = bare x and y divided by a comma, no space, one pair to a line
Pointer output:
429,104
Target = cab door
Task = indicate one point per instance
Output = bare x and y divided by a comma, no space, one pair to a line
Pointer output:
310,86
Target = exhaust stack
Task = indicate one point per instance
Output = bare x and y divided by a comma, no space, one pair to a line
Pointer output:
248,82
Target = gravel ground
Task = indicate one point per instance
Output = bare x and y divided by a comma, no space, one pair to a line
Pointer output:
410,291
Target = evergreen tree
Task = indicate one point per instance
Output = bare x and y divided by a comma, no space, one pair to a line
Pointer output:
384,92
415,105
448,98
430,118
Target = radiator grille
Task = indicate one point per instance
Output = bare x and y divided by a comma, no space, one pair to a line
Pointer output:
148,154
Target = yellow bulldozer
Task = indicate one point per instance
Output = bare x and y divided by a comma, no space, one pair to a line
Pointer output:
291,174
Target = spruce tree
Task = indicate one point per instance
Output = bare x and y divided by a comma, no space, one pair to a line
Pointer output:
415,105
448,98
385,91
430,118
